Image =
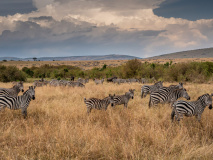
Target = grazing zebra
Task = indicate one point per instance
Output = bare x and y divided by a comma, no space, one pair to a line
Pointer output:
14,91
20,102
83,81
167,96
75,84
95,103
194,108
97,81
54,82
118,81
124,99
145,89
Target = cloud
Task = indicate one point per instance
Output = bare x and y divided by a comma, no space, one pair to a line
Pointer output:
83,27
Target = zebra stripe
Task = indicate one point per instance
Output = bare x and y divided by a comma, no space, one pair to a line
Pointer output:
194,108
14,91
169,95
124,99
19,102
95,103
97,81
148,89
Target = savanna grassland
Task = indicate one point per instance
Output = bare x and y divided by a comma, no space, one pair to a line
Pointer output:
58,127
86,65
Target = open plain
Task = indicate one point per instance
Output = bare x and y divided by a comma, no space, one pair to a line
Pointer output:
86,65
58,127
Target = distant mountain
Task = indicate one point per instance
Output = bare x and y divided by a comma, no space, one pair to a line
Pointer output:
198,53
74,58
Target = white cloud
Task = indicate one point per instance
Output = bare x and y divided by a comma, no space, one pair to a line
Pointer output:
104,23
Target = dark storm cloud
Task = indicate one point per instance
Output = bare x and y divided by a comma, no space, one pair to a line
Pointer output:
186,9
11,7
41,18
73,39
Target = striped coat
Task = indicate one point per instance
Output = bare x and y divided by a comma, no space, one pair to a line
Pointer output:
20,102
14,91
194,108
124,99
95,103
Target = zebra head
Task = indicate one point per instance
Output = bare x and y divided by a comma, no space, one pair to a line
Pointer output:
20,85
111,100
206,99
185,94
31,92
159,84
210,101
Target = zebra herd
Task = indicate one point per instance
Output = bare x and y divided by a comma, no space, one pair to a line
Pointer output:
158,94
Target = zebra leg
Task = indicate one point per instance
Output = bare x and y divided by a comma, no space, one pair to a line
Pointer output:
24,112
89,110
142,94
145,94
150,102
172,115
198,117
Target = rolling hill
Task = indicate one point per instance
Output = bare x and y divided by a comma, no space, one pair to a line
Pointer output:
198,53
74,58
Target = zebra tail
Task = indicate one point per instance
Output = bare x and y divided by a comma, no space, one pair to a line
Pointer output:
85,100
173,114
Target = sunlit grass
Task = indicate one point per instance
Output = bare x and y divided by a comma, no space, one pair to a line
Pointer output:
58,127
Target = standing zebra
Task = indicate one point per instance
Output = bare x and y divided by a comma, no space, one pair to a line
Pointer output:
145,89
14,91
95,103
20,102
194,108
124,99
169,95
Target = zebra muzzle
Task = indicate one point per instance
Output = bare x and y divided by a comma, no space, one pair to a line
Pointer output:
189,98
210,107
22,90
33,97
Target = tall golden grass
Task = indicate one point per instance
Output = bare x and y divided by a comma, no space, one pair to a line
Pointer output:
58,127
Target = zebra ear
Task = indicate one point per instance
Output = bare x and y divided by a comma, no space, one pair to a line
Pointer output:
212,94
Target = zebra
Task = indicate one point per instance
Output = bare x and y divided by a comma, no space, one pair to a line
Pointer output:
124,99
83,81
97,81
194,108
95,103
145,89
54,82
14,91
75,84
20,102
167,96
118,81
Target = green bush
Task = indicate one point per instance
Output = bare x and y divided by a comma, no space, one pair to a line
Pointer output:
11,73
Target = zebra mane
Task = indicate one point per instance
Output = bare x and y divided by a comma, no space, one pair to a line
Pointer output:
202,96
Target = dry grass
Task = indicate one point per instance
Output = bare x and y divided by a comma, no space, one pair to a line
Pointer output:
91,64
58,127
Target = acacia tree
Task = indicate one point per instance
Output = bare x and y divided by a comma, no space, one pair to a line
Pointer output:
34,58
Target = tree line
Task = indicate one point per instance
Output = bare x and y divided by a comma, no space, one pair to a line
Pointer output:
186,72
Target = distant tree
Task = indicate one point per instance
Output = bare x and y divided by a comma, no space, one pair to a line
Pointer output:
34,58
4,60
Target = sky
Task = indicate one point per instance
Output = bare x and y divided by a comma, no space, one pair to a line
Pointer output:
142,28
